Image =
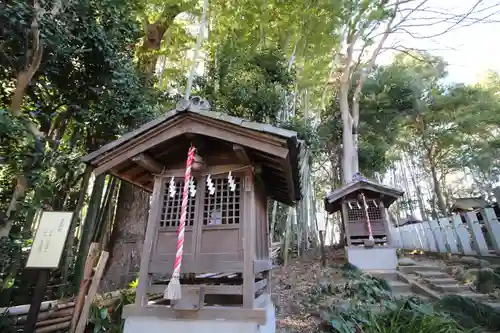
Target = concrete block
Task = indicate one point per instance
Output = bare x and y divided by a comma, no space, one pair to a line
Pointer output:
376,258
140,324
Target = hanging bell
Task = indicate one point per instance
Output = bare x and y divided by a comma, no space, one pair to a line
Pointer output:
198,163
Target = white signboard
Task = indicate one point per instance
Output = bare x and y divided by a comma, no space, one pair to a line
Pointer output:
49,241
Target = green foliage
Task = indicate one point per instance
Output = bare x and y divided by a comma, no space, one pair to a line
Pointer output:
248,85
86,92
108,319
470,313
406,315
7,324
373,309
486,280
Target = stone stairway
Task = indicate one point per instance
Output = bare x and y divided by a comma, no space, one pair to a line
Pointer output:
439,281
399,287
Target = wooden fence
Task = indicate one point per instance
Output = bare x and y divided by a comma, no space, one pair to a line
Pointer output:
457,234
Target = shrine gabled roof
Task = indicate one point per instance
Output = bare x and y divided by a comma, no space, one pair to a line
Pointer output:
285,141
468,204
359,183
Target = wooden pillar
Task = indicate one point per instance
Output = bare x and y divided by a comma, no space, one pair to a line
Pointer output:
383,213
149,240
248,241
345,222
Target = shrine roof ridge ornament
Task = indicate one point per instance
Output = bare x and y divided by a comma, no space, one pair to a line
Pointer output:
358,183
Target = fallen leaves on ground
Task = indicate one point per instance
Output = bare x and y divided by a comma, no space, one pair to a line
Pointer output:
292,286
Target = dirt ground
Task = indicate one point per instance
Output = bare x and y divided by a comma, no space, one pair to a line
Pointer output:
291,292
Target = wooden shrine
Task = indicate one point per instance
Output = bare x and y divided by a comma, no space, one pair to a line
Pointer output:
363,204
226,262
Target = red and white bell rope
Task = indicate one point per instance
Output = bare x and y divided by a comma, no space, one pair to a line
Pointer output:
173,291
368,223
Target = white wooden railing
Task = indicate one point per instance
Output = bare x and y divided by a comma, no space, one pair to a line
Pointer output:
451,235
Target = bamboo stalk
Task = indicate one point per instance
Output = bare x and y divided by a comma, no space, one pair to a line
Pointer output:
273,220
53,328
46,306
287,236
53,321
46,315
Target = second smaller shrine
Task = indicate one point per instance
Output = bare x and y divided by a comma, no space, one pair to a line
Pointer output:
363,204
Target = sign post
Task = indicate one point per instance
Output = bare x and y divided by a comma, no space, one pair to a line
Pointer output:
45,255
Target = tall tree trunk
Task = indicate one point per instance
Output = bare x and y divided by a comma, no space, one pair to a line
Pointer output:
415,178
127,237
438,191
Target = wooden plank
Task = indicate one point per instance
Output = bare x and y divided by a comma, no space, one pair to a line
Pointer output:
260,284
36,300
84,284
148,163
238,138
198,234
210,262
257,316
237,128
385,221
131,173
263,155
147,249
262,265
132,181
209,289
242,154
82,322
345,224
208,170
193,299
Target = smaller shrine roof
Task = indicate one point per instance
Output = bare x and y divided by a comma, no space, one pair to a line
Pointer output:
333,200
468,204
